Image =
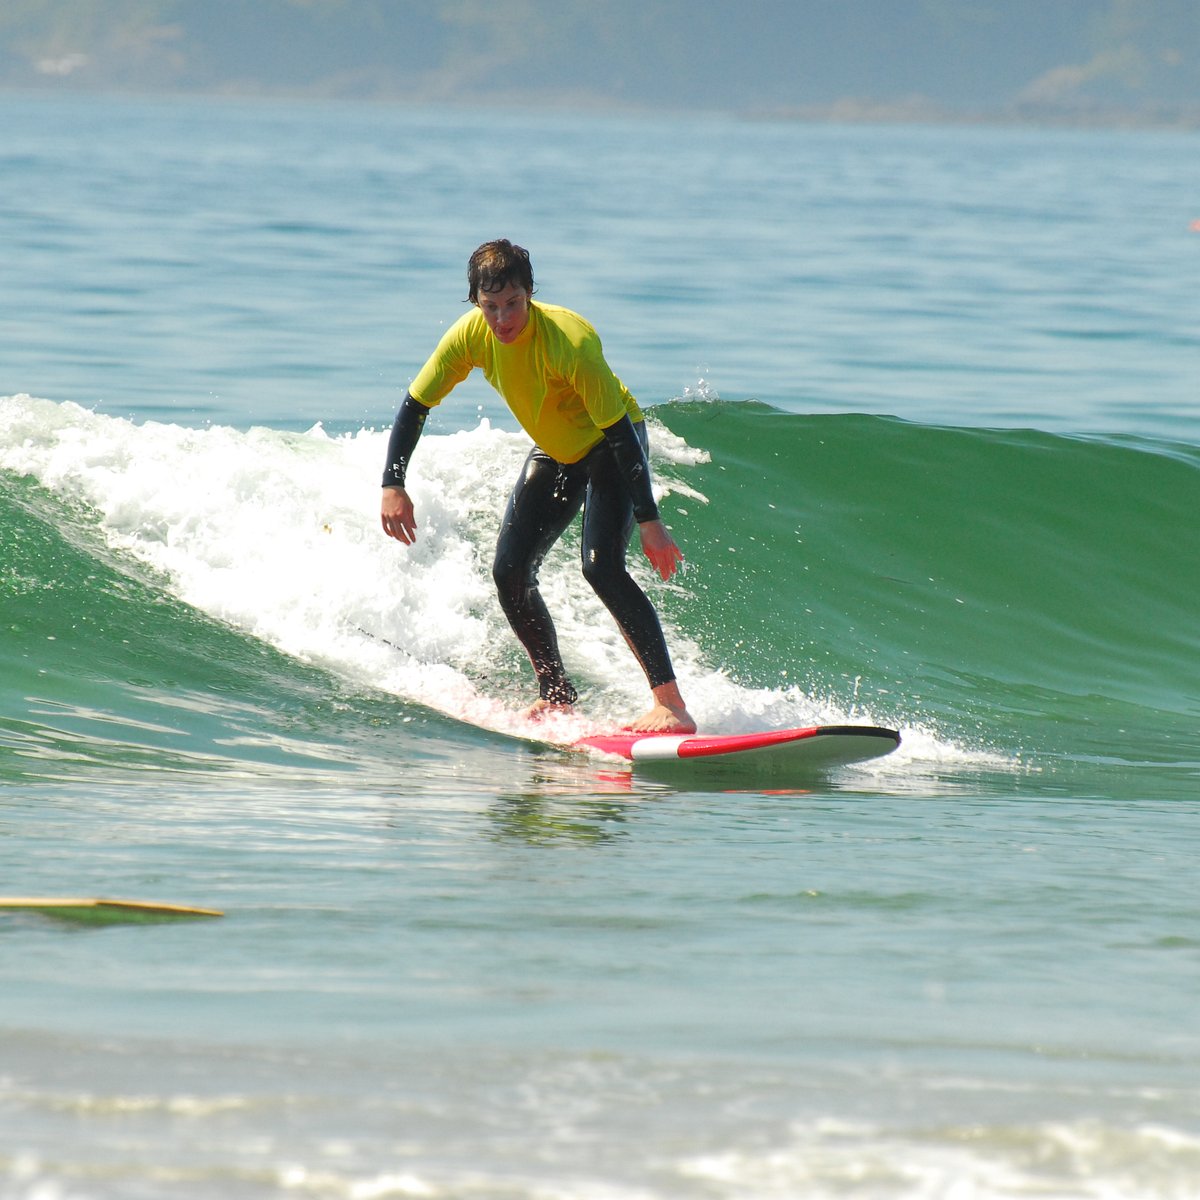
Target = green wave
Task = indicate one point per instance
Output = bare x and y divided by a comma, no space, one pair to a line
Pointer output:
955,572
1008,589
102,668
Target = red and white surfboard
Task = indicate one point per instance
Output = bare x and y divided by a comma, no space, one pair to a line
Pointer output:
814,746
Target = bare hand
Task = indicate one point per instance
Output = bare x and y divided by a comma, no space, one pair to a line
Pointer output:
659,547
396,514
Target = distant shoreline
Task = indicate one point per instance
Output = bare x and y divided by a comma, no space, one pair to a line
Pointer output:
840,112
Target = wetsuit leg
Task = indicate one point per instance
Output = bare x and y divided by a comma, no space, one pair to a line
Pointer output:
607,525
543,503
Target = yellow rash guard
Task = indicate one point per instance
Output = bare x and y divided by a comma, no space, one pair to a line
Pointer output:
553,377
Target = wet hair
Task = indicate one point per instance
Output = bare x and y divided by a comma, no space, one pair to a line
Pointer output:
497,264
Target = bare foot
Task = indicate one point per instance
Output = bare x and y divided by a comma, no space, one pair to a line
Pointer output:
543,708
665,718
669,714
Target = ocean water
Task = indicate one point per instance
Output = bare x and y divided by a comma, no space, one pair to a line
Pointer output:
925,420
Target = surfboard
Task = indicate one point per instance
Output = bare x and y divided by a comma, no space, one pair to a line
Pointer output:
813,748
99,911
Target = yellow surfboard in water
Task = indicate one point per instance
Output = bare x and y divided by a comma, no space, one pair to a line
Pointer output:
101,911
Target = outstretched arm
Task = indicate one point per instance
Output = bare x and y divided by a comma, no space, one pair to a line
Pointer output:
396,507
657,543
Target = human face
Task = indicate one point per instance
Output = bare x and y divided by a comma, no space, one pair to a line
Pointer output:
506,311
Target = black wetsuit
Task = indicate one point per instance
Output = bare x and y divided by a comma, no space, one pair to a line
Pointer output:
612,485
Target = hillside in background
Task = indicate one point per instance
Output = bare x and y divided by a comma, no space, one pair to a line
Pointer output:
1083,60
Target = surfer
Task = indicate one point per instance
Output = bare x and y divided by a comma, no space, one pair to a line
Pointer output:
590,452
